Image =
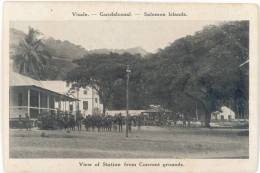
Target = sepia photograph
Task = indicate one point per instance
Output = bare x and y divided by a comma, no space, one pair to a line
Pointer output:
176,89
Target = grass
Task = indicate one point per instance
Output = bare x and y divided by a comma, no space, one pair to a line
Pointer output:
149,142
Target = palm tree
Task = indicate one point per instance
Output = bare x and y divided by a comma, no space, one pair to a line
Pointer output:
30,57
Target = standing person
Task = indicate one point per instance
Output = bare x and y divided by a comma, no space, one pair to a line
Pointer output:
110,123
97,122
87,122
114,123
188,120
184,121
72,122
20,122
139,122
92,122
134,120
130,123
103,123
27,122
79,121
120,122
65,121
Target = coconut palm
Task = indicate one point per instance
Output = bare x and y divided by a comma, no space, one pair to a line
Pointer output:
30,57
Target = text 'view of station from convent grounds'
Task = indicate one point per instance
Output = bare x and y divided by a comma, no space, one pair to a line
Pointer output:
136,89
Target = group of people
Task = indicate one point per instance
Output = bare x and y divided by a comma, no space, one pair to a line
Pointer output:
108,123
103,123
98,123
24,123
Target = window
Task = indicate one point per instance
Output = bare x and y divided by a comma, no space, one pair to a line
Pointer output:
96,100
85,105
71,108
85,92
20,99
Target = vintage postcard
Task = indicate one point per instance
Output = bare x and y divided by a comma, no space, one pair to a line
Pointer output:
130,87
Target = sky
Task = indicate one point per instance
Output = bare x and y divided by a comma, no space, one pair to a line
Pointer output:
149,34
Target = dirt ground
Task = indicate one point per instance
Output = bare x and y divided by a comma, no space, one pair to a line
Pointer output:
149,142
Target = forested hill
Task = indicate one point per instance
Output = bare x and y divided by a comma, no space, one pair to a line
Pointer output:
68,50
203,69
64,49
132,51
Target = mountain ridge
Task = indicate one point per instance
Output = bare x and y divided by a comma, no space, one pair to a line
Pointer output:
65,49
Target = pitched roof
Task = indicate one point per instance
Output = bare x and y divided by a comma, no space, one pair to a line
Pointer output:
17,79
56,85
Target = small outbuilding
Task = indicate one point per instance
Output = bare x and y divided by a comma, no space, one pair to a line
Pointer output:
225,113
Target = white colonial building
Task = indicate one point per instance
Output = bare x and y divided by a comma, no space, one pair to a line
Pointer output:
225,113
89,101
32,97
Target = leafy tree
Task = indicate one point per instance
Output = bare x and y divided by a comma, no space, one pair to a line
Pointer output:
106,74
30,57
205,67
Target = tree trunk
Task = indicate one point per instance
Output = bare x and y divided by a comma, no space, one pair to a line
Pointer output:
207,118
207,113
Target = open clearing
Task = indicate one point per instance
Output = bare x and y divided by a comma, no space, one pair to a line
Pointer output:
149,142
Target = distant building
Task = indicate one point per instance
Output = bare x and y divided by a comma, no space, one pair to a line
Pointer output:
89,101
123,112
155,115
225,114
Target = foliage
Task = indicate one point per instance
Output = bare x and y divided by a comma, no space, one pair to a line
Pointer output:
30,57
197,67
105,73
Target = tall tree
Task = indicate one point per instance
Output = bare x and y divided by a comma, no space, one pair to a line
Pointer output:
105,73
30,57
